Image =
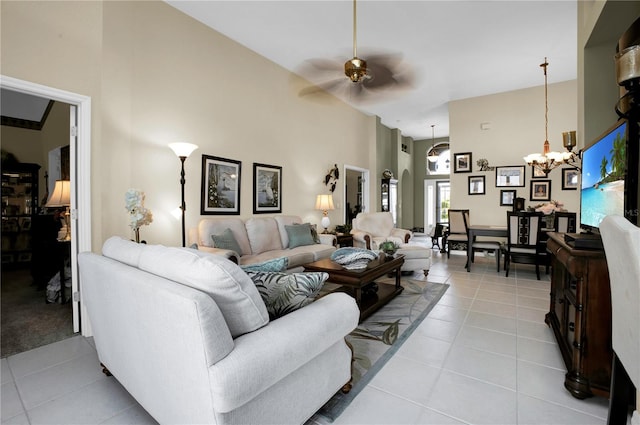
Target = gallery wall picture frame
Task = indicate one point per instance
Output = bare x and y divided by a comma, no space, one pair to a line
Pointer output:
570,178
220,186
267,188
507,197
510,176
540,190
462,162
537,173
476,185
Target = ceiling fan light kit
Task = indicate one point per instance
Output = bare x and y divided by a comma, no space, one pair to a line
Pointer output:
355,69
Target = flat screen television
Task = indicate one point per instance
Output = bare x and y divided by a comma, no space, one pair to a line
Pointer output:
603,177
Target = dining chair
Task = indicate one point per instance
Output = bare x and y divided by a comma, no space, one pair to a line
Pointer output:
523,237
621,241
436,233
484,245
565,222
457,236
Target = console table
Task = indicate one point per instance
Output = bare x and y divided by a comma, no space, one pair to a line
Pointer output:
580,316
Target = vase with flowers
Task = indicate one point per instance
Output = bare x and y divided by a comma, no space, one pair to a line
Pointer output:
549,209
138,214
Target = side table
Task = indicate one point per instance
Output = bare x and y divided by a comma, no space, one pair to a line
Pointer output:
344,239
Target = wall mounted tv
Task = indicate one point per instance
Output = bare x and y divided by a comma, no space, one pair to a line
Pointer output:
603,177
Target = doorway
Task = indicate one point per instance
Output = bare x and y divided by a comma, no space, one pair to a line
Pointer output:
80,172
437,198
356,192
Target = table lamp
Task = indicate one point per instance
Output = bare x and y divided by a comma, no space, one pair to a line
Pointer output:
61,197
325,203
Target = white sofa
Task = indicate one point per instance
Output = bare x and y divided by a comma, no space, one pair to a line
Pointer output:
190,340
261,239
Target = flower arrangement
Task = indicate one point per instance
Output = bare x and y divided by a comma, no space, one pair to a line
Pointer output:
389,247
138,214
548,207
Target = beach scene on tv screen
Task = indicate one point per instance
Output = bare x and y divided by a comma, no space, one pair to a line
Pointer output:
603,172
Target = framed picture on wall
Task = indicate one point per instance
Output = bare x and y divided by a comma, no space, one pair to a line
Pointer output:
540,190
220,186
510,176
476,185
267,188
507,197
462,162
537,173
570,178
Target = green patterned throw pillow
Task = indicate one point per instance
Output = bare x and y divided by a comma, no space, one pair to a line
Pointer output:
275,265
283,293
226,240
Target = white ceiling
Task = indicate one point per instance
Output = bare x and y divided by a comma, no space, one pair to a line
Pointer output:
457,49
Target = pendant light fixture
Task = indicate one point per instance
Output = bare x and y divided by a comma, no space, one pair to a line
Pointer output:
433,155
548,160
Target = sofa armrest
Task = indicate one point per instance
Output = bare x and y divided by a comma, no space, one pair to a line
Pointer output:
227,253
328,239
361,239
403,234
264,357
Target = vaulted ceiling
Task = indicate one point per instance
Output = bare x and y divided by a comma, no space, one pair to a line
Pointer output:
455,49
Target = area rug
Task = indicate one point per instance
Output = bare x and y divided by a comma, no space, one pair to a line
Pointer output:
379,336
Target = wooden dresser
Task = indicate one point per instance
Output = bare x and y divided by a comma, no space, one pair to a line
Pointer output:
580,316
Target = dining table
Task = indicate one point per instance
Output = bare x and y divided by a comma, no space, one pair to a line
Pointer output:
482,230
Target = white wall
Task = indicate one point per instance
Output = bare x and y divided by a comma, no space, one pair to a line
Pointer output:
157,76
516,122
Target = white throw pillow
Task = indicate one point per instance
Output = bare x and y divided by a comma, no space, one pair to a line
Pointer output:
225,282
123,250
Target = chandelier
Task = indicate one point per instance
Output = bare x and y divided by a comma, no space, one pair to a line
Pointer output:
548,160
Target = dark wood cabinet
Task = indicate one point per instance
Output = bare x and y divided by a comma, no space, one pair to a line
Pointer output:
580,316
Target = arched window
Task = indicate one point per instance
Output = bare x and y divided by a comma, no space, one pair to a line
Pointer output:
443,164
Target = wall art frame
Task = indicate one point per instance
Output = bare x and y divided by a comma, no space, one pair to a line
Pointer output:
540,190
507,197
462,162
476,185
220,186
267,188
570,178
510,176
537,173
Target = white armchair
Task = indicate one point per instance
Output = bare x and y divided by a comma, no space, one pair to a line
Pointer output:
369,230
621,241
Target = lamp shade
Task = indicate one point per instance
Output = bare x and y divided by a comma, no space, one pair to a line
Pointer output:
324,202
61,196
183,149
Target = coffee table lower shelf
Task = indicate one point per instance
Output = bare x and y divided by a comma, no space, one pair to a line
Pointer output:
360,284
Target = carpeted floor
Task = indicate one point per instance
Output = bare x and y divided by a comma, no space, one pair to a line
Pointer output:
379,336
27,320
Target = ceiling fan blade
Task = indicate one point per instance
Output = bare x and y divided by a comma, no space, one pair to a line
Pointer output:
327,86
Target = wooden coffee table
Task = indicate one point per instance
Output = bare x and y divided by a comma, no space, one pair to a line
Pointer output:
360,284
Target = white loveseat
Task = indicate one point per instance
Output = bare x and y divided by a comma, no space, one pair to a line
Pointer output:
190,356
261,239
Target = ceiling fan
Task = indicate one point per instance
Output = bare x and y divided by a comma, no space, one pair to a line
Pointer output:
382,71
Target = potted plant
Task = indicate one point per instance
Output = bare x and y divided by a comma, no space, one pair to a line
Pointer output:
388,247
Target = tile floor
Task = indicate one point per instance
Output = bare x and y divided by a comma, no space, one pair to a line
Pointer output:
483,356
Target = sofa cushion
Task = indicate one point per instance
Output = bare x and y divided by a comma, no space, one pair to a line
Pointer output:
276,265
263,234
226,240
123,250
286,220
299,235
215,226
283,293
225,282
